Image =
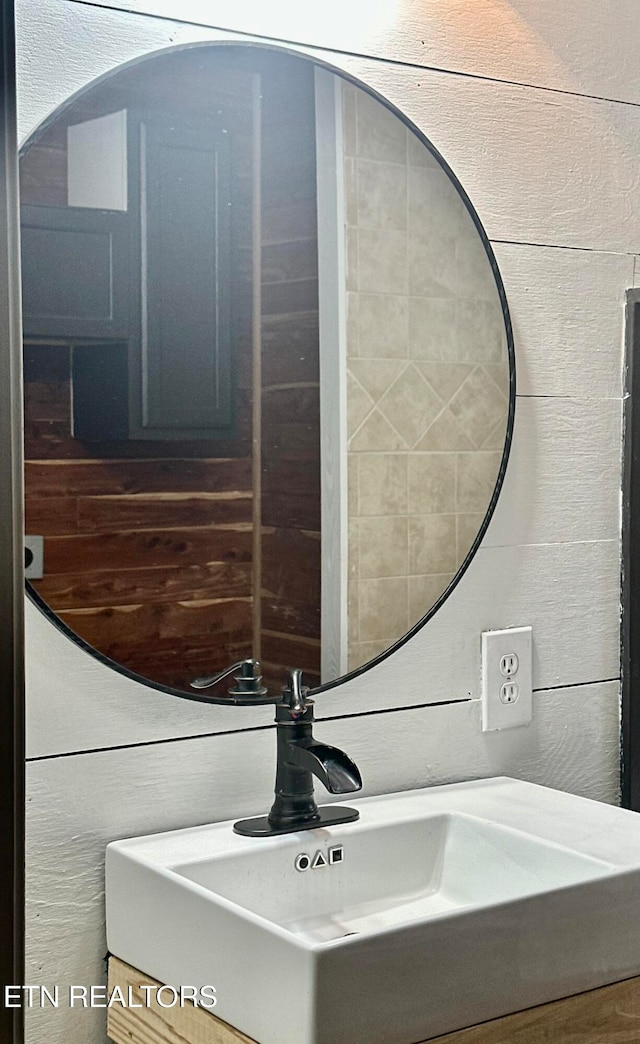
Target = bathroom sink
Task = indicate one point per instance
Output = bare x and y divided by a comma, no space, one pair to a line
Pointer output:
437,909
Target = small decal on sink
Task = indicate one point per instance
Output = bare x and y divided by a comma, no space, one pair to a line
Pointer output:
304,861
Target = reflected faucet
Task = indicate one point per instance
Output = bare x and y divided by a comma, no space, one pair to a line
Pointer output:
248,686
300,757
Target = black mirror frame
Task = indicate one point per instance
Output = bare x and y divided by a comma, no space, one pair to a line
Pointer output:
42,605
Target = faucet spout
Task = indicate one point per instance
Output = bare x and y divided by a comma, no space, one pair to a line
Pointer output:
301,757
334,768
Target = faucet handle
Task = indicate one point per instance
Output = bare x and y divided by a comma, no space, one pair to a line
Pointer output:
294,693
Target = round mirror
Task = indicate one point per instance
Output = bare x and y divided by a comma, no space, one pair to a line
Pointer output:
269,377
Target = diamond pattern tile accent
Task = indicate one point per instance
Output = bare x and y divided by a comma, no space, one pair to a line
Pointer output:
376,375
444,435
359,403
376,435
410,405
445,378
478,406
495,441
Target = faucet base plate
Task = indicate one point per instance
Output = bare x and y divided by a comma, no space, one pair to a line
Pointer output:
329,815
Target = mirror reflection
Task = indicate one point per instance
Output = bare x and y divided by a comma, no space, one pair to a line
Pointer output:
266,368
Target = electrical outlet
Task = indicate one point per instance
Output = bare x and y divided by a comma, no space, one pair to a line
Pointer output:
509,664
506,678
509,692
33,557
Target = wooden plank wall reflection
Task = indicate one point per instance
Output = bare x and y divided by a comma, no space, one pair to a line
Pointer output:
147,545
148,552
290,381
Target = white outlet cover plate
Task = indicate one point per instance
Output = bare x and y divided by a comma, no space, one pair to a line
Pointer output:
34,562
497,714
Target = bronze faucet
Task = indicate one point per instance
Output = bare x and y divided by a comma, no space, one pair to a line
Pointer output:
300,757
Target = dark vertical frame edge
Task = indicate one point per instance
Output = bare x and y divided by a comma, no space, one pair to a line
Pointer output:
630,585
11,551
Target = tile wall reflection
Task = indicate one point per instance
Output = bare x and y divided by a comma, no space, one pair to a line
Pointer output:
427,377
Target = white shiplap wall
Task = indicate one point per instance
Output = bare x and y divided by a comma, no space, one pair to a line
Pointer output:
544,133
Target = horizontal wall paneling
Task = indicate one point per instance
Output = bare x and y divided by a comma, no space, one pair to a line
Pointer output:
563,476
539,42
571,195
77,703
567,311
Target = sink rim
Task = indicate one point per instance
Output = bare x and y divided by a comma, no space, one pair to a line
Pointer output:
235,845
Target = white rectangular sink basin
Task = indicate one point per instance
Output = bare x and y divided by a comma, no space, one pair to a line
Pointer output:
437,909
